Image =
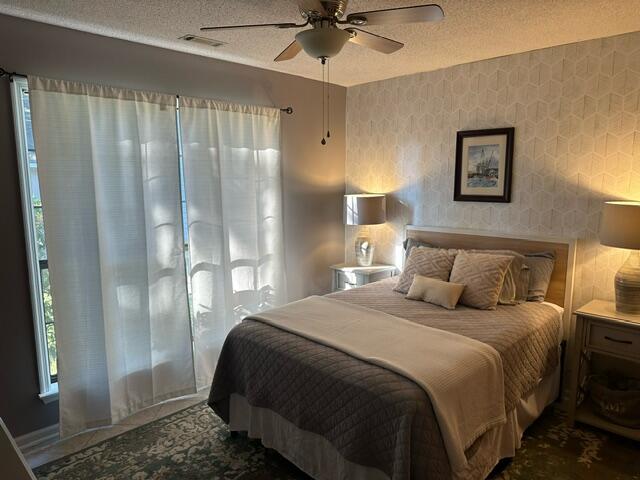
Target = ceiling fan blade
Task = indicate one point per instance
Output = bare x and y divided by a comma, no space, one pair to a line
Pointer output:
376,42
309,6
255,25
288,53
421,13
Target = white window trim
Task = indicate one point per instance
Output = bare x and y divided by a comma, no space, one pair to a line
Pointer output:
48,390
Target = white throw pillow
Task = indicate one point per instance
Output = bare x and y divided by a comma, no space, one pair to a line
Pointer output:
438,292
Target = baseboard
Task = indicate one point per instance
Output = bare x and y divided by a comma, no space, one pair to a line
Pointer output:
42,437
51,434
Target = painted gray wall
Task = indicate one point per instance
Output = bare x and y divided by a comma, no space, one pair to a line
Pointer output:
313,175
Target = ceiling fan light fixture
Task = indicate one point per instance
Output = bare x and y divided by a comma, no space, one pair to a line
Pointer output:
323,42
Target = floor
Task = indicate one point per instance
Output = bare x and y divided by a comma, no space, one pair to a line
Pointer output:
39,455
195,444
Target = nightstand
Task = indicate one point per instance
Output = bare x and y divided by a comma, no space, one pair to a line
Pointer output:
350,276
613,339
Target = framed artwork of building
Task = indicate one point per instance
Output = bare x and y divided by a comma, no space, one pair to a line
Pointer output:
483,165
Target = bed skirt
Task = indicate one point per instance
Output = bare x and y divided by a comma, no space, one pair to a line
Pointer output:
315,455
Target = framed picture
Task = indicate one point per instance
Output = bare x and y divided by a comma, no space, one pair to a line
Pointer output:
483,165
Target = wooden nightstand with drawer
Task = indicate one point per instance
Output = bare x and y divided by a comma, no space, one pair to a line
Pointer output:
350,276
606,337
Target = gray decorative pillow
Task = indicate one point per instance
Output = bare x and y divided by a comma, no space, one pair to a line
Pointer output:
515,287
523,284
540,268
411,243
428,262
483,276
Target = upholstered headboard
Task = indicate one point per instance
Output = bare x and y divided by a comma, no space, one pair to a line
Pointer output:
561,285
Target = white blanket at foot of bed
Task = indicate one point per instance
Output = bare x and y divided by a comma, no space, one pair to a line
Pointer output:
462,377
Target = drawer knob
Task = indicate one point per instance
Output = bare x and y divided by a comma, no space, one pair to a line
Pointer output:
627,342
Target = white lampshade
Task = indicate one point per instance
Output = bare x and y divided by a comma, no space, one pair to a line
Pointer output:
364,209
620,225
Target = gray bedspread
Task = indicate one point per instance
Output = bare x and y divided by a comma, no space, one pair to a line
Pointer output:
373,416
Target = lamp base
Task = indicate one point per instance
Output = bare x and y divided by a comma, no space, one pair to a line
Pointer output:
364,251
627,284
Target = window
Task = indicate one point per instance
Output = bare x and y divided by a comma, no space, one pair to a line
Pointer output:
185,221
44,324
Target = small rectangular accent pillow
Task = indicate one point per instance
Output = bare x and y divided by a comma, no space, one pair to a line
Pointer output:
540,269
431,290
428,262
513,290
482,275
411,243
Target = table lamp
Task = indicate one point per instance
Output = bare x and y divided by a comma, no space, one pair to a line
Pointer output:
364,209
620,227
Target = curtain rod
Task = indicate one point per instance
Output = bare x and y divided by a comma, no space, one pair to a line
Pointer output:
5,73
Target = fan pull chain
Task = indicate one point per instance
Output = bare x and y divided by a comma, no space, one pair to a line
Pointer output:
328,100
323,61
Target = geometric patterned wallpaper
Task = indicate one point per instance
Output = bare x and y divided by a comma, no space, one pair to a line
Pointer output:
576,113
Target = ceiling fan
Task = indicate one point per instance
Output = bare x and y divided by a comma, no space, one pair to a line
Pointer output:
325,39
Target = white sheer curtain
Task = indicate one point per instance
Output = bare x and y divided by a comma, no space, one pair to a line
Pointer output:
234,209
108,167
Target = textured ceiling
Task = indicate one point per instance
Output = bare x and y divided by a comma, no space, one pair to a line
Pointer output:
472,30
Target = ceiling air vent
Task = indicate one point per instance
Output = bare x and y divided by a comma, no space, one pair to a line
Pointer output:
189,37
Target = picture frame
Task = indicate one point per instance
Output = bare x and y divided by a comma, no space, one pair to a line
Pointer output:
484,161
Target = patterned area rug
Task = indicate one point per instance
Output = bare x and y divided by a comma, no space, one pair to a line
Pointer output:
195,444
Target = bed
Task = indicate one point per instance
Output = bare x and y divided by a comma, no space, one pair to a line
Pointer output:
336,415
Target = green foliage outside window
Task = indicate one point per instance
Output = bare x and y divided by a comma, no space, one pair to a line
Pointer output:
48,322
39,227
47,301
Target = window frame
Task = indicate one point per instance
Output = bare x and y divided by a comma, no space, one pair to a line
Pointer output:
48,389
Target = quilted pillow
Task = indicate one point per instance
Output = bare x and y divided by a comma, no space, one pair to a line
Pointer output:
437,292
428,262
483,275
516,285
540,269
